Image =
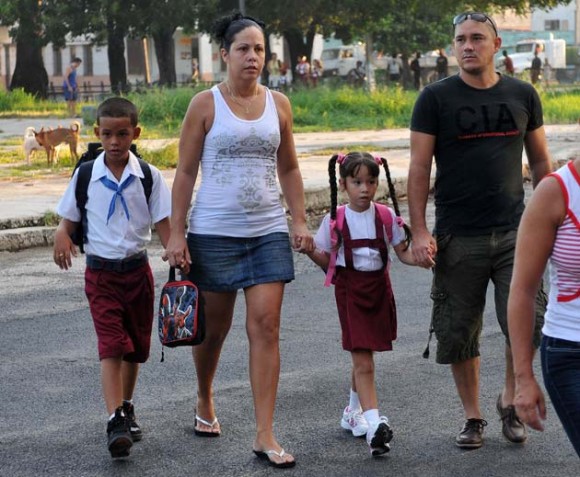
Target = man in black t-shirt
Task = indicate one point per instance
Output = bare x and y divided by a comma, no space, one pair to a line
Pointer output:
476,125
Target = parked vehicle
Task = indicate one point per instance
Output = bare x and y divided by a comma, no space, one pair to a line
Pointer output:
340,61
552,49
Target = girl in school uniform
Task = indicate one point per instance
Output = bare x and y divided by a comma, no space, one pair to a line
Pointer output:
352,246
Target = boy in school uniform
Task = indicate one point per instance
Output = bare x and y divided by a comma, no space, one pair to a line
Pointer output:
118,278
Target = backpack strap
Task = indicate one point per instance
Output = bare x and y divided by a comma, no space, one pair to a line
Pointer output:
85,171
147,179
335,225
386,219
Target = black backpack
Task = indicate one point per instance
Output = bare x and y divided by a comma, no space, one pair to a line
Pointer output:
85,167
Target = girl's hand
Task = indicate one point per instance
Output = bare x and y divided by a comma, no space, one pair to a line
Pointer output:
301,239
424,248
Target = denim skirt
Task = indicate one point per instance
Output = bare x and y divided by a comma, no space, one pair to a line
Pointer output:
224,264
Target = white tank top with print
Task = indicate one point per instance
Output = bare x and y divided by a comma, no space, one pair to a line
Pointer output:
562,318
239,195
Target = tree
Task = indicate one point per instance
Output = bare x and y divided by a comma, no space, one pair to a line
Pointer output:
26,19
160,19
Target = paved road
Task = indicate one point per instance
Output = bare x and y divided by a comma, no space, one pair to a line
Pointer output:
53,420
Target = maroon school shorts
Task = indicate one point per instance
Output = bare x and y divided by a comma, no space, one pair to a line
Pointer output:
122,306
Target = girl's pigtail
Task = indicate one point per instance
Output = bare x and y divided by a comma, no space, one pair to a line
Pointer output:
393,195
333,186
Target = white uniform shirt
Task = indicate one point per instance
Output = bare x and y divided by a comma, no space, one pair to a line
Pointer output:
120,237
361,225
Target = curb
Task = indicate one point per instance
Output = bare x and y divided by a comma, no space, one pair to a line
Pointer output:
31,231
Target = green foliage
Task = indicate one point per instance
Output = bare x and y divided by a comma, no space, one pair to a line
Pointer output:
163,108
326,109
572,55
20,103
561,108
163,158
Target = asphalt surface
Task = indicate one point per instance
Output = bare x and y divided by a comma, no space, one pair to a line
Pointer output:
52,418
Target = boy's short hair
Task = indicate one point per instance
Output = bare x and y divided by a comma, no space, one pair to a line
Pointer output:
118,107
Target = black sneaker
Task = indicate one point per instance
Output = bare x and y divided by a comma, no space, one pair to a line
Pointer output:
379,436
119,437
471,436
134,428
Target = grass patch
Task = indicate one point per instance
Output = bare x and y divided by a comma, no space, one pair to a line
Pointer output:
561,108
324,108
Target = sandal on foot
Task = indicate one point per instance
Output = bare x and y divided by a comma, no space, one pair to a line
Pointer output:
265,455
211,425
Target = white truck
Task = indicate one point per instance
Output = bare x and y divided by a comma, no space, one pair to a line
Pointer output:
552,49
338,61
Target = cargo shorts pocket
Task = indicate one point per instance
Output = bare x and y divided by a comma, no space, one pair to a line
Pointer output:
439,302
439,313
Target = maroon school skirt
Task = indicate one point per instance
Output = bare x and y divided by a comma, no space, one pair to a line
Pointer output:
366,308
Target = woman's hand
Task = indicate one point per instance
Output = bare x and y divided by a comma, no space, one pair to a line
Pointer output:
301,239
177,252
530,403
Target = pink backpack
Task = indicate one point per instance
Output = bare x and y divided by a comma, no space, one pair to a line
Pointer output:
338,224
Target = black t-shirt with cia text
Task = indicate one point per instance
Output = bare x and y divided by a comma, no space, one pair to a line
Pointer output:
478,151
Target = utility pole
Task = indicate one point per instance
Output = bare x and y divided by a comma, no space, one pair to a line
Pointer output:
243,6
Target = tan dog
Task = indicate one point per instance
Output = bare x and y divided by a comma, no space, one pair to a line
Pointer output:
49,139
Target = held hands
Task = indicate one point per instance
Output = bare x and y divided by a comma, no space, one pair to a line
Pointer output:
301,239
424,249
530,403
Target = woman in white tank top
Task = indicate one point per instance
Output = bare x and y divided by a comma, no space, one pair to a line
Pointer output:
549,231
241,134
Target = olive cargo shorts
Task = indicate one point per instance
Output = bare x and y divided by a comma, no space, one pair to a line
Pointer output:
464,267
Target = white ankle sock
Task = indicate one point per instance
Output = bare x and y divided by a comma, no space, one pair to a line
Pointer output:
354,403
113,415
372,416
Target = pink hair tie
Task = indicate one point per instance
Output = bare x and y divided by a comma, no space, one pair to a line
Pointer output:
400,222
341,158
378,160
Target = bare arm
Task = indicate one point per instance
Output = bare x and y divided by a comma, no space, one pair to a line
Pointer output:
422,149
538,155
320,258
196,123
406,256
536,234
163,228
290,177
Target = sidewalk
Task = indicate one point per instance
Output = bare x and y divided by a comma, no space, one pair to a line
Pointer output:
26,202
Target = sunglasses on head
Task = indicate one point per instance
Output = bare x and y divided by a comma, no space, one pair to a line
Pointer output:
475,16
